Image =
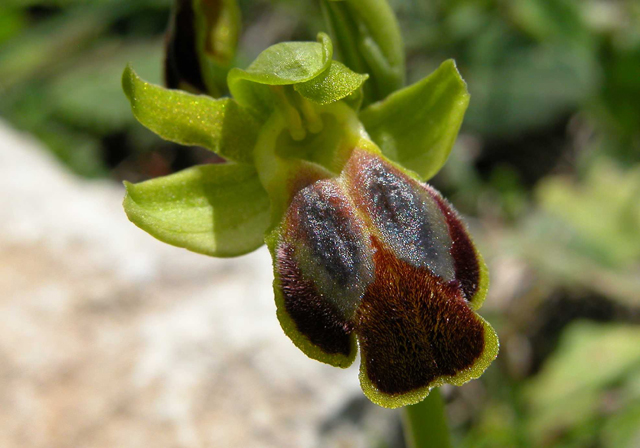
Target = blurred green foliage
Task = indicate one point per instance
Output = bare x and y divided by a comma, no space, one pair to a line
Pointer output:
59,66
547,167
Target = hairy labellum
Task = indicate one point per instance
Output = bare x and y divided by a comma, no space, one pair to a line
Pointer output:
375,256
330,244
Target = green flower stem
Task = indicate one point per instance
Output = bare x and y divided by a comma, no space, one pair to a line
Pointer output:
425,425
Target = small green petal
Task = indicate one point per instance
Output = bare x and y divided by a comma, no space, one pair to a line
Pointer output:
291,62
285,63
331,85
218,210
221,126
417,126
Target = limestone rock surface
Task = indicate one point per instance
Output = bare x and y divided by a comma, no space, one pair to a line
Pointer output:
109,338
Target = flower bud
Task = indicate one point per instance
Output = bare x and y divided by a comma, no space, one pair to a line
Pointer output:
201,45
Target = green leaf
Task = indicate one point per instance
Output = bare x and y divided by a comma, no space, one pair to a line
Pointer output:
75,93
221,126
331,85
590,363
417,126
549,20
285,63
218,210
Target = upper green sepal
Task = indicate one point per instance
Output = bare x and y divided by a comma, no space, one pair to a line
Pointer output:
285,63
332,85
219,210
222,126
417,126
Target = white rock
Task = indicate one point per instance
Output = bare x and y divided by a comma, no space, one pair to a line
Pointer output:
110,338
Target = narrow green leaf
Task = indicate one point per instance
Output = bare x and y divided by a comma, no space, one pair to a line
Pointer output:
417,126
285,63
218,210
221,126
331,85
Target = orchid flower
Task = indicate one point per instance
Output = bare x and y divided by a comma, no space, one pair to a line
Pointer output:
366,255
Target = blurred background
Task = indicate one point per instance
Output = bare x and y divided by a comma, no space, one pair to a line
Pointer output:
109,338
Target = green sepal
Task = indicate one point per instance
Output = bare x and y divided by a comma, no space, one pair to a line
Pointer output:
219,210
285,63
418,125
222,126
331,85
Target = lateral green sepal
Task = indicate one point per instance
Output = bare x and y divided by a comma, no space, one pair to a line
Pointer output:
222,126
285,63
331,85
218,210
418,125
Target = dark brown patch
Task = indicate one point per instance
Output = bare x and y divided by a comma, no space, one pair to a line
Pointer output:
181,61
466,263
413,327
313,315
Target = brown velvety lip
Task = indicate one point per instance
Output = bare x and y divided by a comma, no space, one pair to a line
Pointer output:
413,327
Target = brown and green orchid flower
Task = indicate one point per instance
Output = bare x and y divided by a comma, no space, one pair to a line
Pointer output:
375,259
366,254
